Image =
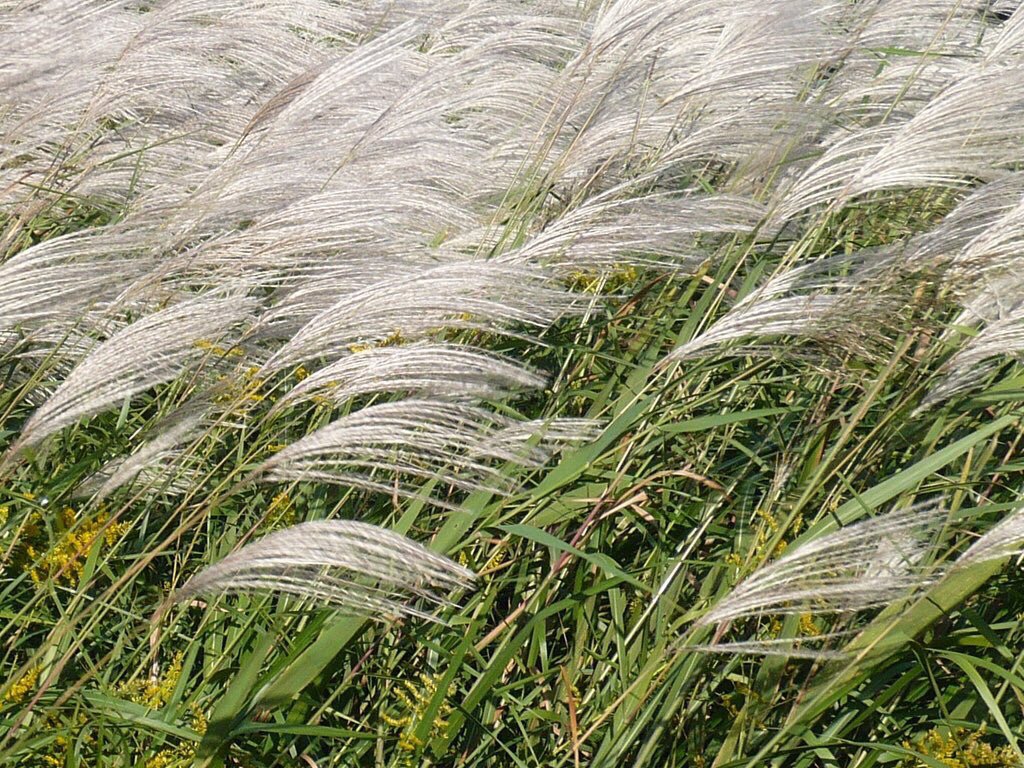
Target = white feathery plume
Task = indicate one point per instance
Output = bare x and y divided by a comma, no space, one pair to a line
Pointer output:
1011,37
865,565
1004,540
839,297
959,243
999,296
532,443
97,82
656,230
424,369
155,463
748,49
924,45
981,355
978,248
476,295
663,84
970,130
379,111
428,439
986,247
61,278
151,351
936,27
375,223
353,566
790,647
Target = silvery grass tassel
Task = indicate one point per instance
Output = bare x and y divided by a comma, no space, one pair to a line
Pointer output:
455,443
1005,539
839,297
357,567
153,350
865,565
155,465
443,371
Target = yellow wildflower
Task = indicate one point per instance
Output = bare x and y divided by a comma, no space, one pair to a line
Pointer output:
280,512
415,700
65,560
500,556
241,388
394,340
960,749
22,687
154,694
208,346
183,754
619,277
807,626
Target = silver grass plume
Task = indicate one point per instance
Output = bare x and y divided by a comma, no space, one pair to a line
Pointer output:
865,565
790,647
151,351
428,439
984,269
444,371
835,298
353,566
979,357
482,295
970,241
58,280
656,230
155,462
1004,540
972,129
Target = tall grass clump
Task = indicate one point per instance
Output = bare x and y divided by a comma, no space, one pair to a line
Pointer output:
618,382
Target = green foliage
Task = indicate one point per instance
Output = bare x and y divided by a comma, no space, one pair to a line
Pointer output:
577,647
574,648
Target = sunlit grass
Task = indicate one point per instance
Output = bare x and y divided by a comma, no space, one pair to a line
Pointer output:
707,255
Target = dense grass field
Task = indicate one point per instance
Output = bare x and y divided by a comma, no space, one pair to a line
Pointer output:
499,383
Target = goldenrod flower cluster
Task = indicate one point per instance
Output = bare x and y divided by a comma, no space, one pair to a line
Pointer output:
961,749
807,626
395,339
208,346
56,754
241,388
766,532
183,754
154,694
65,560
621,276
22,687
281,513
415,700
